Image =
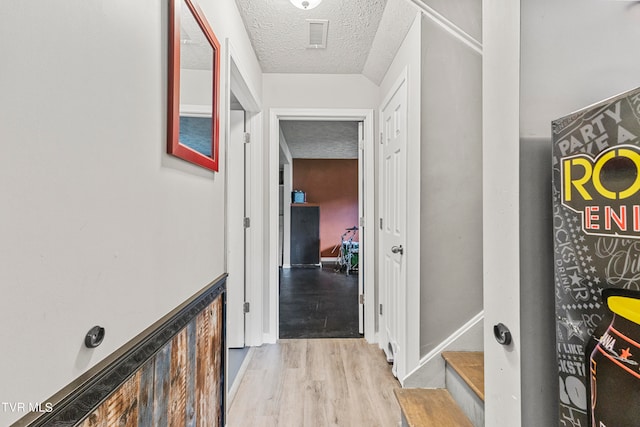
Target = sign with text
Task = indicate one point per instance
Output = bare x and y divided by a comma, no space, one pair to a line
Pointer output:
596,233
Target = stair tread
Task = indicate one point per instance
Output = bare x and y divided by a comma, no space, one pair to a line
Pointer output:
430,408
470,366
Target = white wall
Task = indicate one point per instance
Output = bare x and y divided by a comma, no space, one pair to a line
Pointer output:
98,224
595,60
318,91
303,91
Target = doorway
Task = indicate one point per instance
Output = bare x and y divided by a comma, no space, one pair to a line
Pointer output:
243,180
319,281
244,209
365,276
238,207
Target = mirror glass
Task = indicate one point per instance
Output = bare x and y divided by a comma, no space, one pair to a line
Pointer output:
194,74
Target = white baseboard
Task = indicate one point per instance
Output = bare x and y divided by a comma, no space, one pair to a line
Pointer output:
269,338
231,394
430,372
329,259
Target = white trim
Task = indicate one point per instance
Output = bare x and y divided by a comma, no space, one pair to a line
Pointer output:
285,148
236,235
449,26
231,394
270,332
320,114
286,201
402,77
245,94
236,77
195,110
268,338
255,271
368,264
275,115
501,208
448,341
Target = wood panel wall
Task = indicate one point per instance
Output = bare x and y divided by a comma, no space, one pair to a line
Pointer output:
331,184
181,385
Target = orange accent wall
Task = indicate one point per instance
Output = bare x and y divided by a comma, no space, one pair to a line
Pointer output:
331,184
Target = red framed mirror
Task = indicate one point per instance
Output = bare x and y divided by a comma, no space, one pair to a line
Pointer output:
194,86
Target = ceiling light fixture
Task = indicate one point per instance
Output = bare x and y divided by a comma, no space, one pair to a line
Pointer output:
305,4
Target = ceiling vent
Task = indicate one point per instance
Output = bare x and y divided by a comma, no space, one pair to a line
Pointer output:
317,31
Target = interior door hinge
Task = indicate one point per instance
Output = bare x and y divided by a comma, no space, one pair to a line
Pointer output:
381,138
246,307
361,221
380,309
247,137
381,224
247,222
361,299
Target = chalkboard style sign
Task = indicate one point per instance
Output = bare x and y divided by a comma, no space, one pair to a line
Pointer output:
596,232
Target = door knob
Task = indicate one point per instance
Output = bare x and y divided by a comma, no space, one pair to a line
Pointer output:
502,334
94,337
397,249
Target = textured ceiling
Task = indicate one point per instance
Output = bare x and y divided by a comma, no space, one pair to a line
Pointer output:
394,25
278,33
363,38
321,139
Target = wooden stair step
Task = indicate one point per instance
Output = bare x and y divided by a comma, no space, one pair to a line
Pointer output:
470,366
423,407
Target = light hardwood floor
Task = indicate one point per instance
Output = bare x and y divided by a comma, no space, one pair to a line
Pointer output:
316,383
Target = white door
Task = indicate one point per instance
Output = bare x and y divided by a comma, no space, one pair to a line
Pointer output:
361,230
236,254
393,219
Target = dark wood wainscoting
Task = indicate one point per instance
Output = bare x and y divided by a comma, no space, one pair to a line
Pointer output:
170,375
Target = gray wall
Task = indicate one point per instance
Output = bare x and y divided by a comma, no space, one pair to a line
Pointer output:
537,320
451,179
465,14
573,53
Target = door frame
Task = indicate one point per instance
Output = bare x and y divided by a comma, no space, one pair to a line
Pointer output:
369,234
236,235
236,80
361,208
501,208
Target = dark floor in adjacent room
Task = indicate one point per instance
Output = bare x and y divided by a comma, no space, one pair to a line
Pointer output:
318,303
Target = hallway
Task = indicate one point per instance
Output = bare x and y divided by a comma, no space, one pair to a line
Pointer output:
325,382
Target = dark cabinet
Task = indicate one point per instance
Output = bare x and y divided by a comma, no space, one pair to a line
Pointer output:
305,235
